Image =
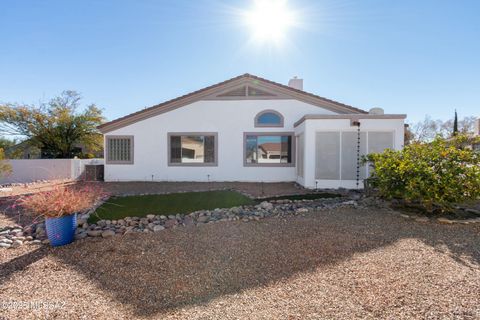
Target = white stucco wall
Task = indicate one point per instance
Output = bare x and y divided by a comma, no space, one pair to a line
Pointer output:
311,126
229,118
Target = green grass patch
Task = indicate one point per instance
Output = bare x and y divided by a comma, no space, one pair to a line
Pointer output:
309,196
139,206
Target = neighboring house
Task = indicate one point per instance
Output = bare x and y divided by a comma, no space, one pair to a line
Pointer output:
25,150
249,129
473,139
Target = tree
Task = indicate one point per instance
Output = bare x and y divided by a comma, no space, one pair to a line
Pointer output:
7,143
57,127
455,124
428,129
5,167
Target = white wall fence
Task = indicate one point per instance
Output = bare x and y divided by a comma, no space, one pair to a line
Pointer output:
30,170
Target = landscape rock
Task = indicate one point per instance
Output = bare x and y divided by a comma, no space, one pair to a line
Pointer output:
188,221
81,235
266,205
445,221
158,228
203,219
108,233
474,211
94,233
171,223
301,210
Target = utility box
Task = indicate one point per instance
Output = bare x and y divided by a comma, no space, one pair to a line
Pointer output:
94,172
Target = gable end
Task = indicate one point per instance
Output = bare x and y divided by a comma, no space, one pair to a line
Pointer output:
246,84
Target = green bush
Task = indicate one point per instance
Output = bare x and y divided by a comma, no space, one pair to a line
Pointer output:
436,175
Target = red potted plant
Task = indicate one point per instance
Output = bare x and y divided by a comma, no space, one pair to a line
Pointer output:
59,207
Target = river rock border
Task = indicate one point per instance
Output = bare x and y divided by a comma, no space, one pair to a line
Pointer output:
157,223
16,235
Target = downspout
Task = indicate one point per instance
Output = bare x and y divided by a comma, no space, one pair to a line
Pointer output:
357,123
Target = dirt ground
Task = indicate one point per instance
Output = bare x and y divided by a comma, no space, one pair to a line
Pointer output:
254,189
339,264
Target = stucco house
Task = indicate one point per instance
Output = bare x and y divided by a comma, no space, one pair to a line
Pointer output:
249,129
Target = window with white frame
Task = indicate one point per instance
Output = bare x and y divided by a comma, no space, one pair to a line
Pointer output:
119,149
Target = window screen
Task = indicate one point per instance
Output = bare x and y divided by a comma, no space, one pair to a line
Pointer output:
327,153
379,141
349,155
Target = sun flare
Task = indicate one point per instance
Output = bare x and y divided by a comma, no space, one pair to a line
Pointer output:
270,20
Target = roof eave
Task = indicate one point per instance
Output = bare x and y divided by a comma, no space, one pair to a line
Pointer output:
349,117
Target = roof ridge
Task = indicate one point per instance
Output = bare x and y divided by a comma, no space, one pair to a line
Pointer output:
245,75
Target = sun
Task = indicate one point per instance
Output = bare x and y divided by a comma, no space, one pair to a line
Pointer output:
269,20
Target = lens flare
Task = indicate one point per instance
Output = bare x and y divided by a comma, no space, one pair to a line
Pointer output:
270,20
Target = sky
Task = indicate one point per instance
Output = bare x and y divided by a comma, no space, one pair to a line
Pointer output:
415,57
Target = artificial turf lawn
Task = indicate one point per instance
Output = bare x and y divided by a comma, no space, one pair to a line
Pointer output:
139,206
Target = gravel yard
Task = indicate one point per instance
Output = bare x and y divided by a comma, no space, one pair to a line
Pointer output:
344,263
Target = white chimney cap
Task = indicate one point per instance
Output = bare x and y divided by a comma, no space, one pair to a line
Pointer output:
296,83
376,111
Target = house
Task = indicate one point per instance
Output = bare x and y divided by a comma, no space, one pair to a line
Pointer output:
249,129
28,150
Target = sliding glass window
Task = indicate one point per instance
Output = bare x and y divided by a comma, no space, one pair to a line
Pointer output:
266,149
192,149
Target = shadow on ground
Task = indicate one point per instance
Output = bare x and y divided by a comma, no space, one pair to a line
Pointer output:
155,273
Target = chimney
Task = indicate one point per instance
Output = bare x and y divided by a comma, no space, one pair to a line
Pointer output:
296,83
477,127
376,111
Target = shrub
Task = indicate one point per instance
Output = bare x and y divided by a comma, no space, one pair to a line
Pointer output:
5,167
62,201
435,175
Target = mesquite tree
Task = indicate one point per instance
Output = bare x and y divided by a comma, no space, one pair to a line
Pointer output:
57,127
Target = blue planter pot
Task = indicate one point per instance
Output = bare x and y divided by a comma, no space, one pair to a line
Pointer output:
60,231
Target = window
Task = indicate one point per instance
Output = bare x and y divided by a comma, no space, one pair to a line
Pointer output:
379,141
119,149
267,149
269,118
192,149
336,153
349,152
327,163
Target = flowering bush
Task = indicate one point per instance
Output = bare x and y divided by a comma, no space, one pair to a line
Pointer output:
436,174
62,201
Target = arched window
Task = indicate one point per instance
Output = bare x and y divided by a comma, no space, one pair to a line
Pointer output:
269,118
